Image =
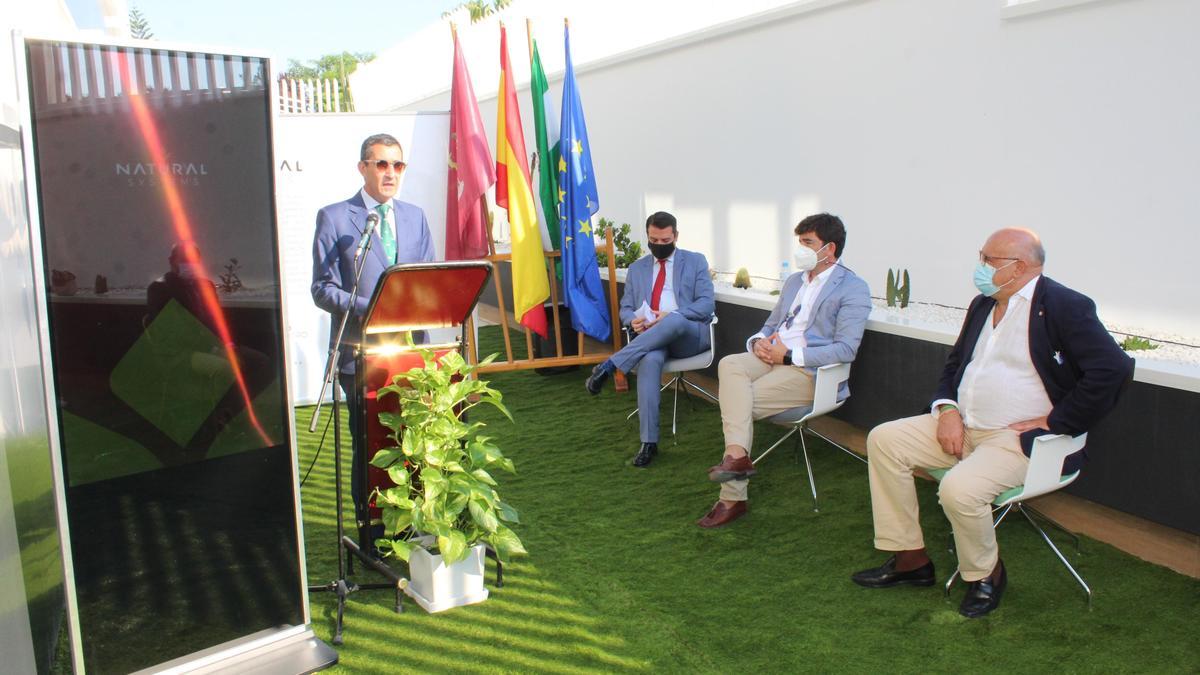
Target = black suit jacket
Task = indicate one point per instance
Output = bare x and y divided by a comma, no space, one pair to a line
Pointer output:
1083,369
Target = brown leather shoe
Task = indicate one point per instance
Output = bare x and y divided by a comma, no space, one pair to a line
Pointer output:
722,515
732,469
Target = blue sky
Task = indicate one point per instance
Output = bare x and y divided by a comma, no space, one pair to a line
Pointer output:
295,29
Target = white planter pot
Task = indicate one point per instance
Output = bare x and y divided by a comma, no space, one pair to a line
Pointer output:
437,587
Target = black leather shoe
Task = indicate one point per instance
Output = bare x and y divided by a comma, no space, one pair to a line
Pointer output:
596,380
886,576
984,595
647,453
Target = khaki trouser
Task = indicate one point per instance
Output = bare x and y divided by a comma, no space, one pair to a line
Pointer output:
751,390
992,463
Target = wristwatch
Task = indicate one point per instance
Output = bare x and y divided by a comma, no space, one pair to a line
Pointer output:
787,358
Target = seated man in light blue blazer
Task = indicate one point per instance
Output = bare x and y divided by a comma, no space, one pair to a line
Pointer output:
668,302
402,236
819,320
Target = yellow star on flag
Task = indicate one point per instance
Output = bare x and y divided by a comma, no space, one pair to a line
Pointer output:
578,149
561,194
585,227
562,165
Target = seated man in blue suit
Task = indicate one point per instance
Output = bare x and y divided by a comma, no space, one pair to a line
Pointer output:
819,320
1032,358
402,236
676,287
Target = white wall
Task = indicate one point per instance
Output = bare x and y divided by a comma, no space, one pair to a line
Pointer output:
926,125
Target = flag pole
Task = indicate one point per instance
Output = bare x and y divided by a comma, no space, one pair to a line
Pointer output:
552,277
529,37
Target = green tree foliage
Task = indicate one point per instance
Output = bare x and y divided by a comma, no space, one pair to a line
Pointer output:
139,27
479,9
627,250
330,67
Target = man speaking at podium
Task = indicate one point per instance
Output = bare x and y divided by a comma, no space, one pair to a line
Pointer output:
398,233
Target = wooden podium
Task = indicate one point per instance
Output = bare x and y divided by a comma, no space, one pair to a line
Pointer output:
409,299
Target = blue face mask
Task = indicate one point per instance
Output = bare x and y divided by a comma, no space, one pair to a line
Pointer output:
984,273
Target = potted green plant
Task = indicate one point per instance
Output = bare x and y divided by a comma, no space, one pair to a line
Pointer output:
444,507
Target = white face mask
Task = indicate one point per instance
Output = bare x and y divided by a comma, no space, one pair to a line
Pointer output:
805,258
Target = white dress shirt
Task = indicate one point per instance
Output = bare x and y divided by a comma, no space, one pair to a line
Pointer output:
800,313
1000,386
666,302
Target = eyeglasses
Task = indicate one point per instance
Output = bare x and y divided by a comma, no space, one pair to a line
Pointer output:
987,259
383,164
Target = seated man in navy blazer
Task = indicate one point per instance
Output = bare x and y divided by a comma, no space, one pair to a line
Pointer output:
402,236
1032,358
818,321
676,288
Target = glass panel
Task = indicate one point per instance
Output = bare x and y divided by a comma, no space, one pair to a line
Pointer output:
167,347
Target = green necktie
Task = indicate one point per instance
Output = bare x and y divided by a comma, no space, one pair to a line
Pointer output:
387,234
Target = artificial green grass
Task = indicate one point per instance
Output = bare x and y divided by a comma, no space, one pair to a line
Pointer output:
619,577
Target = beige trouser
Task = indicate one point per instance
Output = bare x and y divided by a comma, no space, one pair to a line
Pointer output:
751,390
992,463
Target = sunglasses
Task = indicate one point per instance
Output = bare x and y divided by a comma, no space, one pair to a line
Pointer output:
383,164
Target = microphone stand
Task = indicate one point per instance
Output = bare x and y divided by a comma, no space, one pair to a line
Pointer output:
342,586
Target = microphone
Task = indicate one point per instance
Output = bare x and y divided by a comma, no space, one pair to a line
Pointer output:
372,223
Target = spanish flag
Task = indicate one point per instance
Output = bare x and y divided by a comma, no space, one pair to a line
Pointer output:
530,285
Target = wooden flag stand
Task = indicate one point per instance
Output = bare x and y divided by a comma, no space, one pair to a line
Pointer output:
510,361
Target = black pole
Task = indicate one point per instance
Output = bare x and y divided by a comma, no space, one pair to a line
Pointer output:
341,585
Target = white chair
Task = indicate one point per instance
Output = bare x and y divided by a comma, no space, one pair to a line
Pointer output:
825,401
1043,477
679,367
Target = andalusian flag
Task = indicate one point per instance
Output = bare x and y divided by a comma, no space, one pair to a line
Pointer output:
578,202
545,124
530,286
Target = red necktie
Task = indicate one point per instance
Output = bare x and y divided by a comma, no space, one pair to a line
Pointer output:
659,282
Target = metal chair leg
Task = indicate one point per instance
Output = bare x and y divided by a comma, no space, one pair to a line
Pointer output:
776,445
1058,553
1000,518
700,389
825,438
950,582
808,465
683,386
675,404
1057,525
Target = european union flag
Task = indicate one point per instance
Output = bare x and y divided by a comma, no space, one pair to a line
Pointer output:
577,202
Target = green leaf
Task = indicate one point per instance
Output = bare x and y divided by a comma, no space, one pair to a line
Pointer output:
386,457
402,549
506,543
484,476
395,520
484,516
453,547
391,420
507,513
456,504
398,474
